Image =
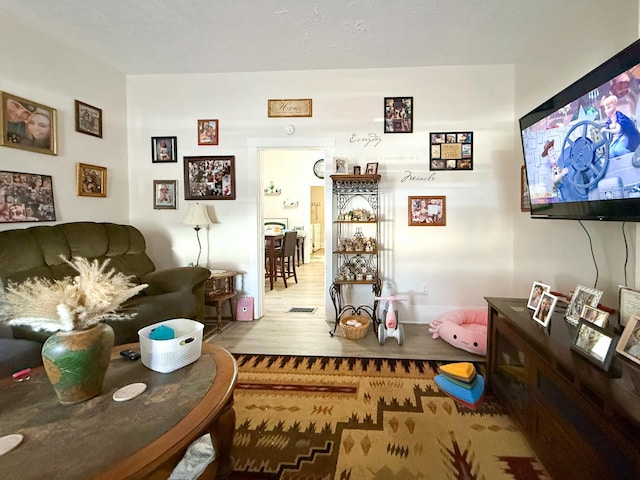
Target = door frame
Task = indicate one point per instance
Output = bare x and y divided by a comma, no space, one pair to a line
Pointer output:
254,146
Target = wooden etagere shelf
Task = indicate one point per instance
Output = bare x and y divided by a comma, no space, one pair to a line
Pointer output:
355,237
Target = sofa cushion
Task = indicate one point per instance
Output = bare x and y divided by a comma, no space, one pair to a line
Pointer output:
16,355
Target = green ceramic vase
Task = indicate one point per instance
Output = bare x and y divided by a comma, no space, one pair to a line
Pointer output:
76,361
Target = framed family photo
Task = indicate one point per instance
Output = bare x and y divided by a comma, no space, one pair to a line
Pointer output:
27,125
88,119
208,132
427,211
581,297
164,149
537,289
91,180
164,194
451,151
544,312
210,178
398,114
26,197
629,344
341,165
595,344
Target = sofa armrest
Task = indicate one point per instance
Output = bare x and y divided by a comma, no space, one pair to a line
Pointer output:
175,279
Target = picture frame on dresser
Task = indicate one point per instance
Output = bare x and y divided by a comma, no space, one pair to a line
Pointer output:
544,311
628,304
537,289
581,296
629,343
595,344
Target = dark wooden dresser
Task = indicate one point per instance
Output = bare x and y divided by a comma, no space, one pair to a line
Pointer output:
582,422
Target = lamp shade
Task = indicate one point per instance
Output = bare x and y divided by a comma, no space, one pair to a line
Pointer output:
197,215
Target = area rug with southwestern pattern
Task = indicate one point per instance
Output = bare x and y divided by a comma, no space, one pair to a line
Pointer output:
322,418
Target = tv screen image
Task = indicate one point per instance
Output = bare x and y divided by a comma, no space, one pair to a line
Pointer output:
582,147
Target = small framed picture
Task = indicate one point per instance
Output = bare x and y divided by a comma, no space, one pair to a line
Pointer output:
356,170
629,344
427,211
88,119
595,315
398,114
628,303
525,200
372,168
545,309
594,343
581,297
27,125
537,289
208,132
342,166
91,180
164,149
210,178
164,194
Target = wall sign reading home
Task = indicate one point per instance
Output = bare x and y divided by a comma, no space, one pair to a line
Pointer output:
295,107
451,151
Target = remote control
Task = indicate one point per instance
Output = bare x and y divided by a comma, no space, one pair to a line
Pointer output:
130,354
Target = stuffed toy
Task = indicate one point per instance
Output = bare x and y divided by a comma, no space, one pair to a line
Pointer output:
464,329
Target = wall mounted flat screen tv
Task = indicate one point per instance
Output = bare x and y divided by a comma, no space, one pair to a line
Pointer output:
582,147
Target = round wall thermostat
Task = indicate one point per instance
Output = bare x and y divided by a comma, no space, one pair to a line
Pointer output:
289,129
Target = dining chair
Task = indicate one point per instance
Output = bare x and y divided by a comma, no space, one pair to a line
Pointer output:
285,258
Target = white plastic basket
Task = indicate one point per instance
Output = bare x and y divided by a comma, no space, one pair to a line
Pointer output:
165,356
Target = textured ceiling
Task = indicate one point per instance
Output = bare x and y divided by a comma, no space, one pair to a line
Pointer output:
198,36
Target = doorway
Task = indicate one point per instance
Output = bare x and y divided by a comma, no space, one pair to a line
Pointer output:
295,196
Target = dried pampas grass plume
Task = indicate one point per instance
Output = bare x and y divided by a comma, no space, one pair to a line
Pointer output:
69,304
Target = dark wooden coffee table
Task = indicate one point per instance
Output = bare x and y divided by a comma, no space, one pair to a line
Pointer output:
141,438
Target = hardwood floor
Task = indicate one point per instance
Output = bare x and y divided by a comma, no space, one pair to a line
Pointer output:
281,332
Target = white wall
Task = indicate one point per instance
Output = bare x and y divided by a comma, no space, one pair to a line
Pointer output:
54,75
469,258
488,248
557,252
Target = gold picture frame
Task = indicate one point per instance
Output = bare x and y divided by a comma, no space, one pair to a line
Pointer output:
91,180
292,107
27,125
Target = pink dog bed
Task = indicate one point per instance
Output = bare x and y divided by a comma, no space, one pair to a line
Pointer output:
465,329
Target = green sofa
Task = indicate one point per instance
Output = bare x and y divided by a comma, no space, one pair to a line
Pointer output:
36,252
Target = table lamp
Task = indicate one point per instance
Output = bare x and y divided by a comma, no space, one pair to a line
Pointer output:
197,216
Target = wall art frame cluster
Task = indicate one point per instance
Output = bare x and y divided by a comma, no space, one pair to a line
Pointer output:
398,114
451,151
26,197
210,178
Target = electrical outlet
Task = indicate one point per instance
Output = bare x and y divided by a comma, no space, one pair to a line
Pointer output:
425,289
